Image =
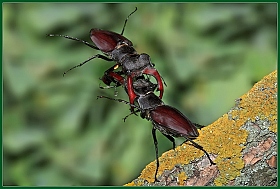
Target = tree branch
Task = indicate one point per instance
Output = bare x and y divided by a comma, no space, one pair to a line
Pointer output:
243,144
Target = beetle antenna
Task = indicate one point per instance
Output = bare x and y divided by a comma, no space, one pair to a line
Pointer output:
79,64
73,38
127,19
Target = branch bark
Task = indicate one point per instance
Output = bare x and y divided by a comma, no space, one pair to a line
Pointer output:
243,144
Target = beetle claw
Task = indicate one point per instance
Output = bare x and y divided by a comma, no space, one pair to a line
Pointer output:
156,180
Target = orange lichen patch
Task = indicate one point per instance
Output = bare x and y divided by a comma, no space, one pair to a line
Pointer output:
224,137
182,178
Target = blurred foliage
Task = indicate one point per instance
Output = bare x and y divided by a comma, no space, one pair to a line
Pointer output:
56,133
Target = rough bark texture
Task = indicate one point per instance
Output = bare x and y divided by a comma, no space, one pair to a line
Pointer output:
242,143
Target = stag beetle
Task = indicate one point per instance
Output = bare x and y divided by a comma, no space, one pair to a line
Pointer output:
119,49
167,119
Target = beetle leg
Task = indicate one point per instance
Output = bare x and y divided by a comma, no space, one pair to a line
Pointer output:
200,148
171,139
73,38
130,89
198,126
154,72
93,57
130,115
119,100
156,148
127,19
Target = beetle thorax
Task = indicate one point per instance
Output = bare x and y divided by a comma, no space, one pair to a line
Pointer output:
135,62
120,51
149,101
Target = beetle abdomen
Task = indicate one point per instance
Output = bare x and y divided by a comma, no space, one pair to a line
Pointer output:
173,122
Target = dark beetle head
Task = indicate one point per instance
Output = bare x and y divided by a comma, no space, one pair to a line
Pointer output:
143,86
107,41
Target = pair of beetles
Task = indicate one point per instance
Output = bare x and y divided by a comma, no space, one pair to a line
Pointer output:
131,70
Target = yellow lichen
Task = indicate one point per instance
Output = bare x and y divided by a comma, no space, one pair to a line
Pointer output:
182,177
224,137
130,184
259,101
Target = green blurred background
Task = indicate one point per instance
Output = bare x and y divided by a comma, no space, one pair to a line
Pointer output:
55,131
